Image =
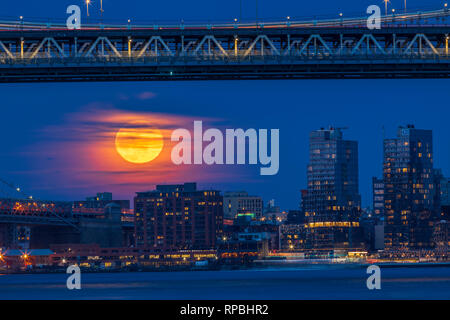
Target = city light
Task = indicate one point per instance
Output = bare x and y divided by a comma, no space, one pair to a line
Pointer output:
88,2
386,5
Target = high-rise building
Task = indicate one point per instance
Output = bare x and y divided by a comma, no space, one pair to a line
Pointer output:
332,202
178,217
378,196
235,203
445,191
409,185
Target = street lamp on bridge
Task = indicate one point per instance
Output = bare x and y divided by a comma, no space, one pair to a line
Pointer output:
88,2
386,6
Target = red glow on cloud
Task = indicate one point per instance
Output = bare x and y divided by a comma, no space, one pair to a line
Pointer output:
79,155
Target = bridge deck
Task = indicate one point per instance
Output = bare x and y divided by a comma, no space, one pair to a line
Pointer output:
406,46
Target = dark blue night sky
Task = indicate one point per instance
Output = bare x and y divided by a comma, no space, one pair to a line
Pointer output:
295,107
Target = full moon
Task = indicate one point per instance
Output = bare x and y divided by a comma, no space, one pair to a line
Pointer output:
139,145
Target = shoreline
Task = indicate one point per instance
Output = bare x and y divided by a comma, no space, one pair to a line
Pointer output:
255,267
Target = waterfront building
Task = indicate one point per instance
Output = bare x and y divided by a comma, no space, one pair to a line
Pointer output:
292,237
178,217
445,191
241,202
273,212
441,236
96,257
295,217
409,189
332,203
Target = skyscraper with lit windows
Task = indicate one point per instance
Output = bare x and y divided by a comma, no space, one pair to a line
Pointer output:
409,189
332,202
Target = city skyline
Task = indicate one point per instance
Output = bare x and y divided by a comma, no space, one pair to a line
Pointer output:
224,150
40,131
216,185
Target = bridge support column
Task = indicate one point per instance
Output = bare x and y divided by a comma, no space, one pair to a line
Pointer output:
394,44
8,235
289,43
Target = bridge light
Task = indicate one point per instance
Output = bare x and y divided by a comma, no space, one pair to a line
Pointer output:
18,189
341,14
386,5
88,2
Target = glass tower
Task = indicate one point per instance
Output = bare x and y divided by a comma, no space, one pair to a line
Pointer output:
332,202
409,189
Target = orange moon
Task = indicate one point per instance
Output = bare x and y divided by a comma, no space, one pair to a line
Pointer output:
139,145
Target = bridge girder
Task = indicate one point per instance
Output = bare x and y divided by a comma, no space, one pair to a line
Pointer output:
103,55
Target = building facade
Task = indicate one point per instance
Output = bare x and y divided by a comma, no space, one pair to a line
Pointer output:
175,217
241,202
445,191
378,196
332,202
409,189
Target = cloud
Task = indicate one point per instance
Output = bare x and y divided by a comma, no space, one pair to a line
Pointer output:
84,157
146,95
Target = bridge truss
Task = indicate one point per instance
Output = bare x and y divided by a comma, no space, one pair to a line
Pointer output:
406,46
